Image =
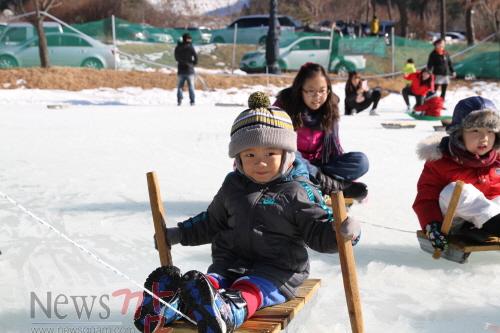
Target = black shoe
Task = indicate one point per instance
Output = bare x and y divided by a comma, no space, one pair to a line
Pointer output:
191,103
492,226
469,232
357,191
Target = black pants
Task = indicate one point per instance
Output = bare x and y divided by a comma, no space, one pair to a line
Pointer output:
443,89
406,95
374,98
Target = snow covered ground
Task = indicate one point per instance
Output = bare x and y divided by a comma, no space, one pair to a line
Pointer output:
82,169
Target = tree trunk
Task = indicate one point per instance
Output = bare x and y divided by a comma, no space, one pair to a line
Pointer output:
469,25
42,41
389,9
367,11
403,17
442,12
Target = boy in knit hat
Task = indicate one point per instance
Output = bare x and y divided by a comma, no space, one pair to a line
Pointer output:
469,153
259,224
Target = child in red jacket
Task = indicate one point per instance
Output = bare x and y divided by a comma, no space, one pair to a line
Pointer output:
469,153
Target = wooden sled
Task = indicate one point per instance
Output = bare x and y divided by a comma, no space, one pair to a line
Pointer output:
444,122
347,201
398,124
276,318
458,249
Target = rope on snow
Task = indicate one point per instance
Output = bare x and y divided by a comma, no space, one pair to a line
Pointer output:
93,255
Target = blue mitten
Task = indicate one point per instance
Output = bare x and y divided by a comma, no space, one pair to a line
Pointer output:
437,238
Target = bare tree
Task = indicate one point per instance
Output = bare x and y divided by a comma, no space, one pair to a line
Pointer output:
42,6
39,6
389,9
315,7
492,9
442,12
469,23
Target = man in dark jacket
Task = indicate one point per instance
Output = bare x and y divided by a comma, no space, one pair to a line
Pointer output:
186,58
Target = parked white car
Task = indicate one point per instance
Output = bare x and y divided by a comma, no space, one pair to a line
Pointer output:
294,53
65,49
16,33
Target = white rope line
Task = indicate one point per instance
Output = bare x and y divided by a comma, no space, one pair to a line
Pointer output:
384,227
93,255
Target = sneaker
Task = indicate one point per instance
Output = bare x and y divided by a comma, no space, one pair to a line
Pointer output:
408,109
357,191
373,112
163,282
351,112
214,311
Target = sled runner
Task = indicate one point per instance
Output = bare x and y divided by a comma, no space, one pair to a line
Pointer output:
398,124
276,318
444,122
424,117
458,249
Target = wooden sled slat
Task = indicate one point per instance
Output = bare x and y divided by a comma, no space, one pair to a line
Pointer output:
464,246
458,249
272,319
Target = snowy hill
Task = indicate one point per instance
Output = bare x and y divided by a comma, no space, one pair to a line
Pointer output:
204,7
82,169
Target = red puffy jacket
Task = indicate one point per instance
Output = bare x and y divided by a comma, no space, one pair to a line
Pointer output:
417,88
432,106
440,170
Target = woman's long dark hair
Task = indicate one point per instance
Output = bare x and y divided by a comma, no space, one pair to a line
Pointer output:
421,77
293,103
350,88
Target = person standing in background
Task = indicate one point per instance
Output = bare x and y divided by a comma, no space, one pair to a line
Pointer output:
186,58
440,65
408,69
375,26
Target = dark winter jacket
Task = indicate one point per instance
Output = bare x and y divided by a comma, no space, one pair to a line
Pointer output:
186,58
263,229
440,169
440,64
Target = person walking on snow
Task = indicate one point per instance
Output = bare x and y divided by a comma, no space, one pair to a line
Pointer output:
186,58
469,153
260,224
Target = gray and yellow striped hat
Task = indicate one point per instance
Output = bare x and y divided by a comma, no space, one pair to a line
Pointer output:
262,126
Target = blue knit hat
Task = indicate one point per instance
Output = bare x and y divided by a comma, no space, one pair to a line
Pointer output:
474,111
262,126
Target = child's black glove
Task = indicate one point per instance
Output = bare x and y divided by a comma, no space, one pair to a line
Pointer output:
173,236
437,238
328,184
